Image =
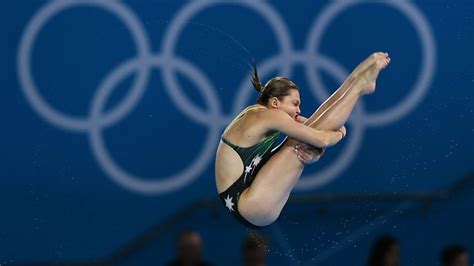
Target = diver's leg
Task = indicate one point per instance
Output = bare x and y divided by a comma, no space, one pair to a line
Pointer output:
359,82
262,202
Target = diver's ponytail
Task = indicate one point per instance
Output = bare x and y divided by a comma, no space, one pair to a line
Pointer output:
276,87
255,80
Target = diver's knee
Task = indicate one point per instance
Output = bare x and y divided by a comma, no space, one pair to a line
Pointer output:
260,214
270,217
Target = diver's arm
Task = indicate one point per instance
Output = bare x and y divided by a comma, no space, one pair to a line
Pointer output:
275,119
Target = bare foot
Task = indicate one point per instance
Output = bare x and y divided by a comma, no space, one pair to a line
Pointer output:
367,63
366,80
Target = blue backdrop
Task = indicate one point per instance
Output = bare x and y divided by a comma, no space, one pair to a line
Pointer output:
111,111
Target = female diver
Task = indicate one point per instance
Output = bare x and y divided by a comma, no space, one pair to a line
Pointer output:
255,182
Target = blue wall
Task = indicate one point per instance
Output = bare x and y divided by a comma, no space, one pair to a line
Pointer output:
112,111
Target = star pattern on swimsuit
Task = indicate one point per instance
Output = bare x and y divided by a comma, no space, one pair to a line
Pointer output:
229,203
256,160
248,169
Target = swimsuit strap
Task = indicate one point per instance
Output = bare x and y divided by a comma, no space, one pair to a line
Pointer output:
271,138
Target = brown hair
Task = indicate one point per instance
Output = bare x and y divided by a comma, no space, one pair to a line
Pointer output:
276,87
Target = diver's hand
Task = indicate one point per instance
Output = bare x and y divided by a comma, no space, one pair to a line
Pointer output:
308,154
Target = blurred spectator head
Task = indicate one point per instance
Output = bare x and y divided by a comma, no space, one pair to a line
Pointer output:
454,255
254,249
385,252
189,246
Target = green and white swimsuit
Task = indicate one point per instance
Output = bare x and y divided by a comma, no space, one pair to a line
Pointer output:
253,158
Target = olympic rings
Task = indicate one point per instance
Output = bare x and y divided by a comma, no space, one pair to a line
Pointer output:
212,118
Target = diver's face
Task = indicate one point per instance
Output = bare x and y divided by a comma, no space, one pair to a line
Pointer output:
289,103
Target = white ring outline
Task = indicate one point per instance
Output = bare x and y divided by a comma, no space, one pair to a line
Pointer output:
122,177
176,26
428,61
29,88
357,129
